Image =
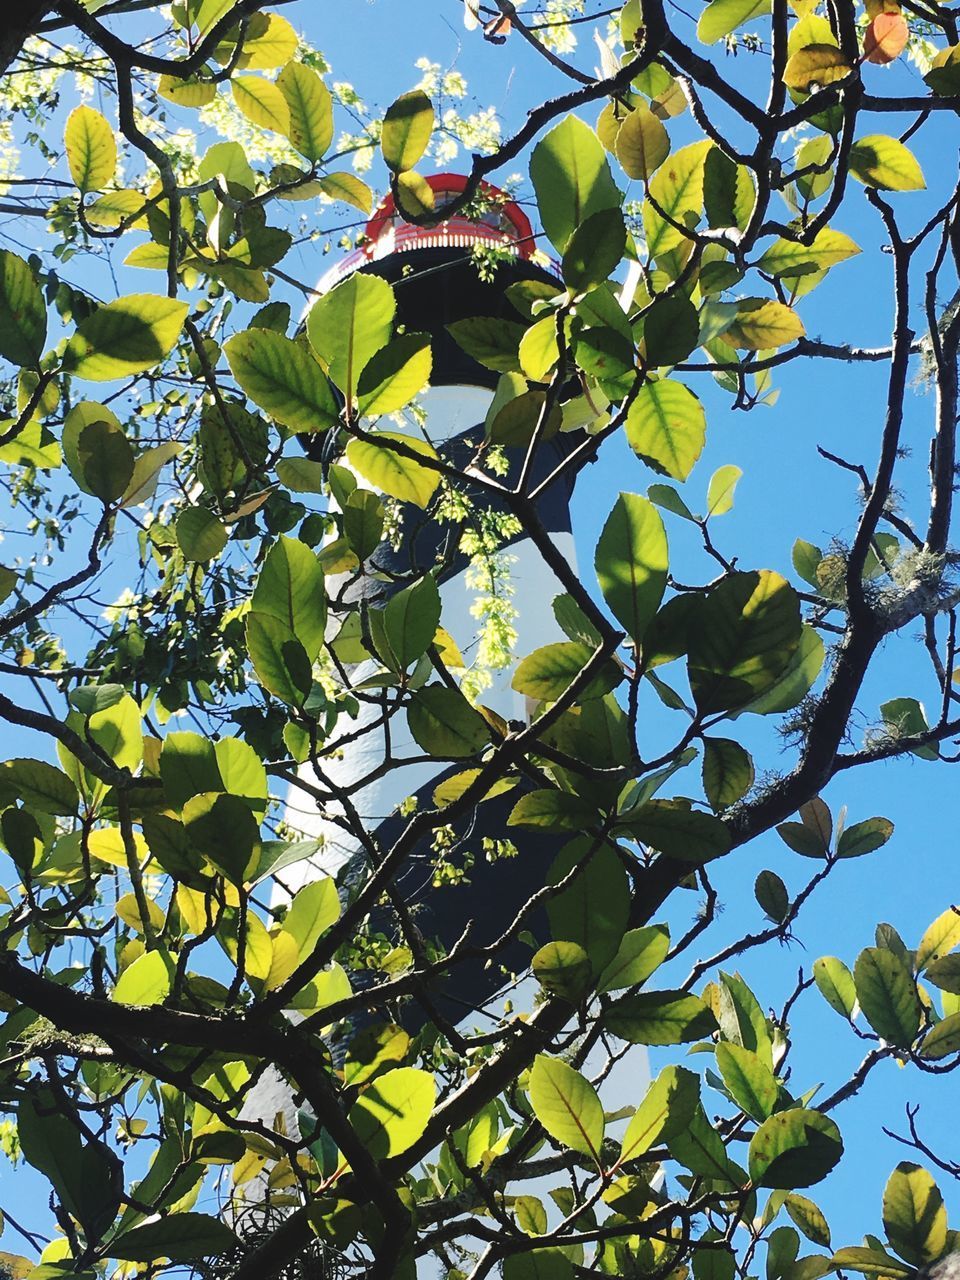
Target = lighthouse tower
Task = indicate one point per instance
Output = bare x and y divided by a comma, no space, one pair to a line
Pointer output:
437,282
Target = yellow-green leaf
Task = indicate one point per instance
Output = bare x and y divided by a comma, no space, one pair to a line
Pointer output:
348,188
407,126
666,427
914,1215
187,93
720,17
939,938
383,464
127,336
262,103
677,187
567,1105
91,149
789,258
310,109
886,164
270,42
392,1111
283,378
667,1108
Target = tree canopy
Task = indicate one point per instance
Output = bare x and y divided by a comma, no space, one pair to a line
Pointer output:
215,1062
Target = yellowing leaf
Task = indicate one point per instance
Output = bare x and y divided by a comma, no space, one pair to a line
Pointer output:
642,143
262,103
392,1111
349,188
677,187
815,66
91,149
762,324
789,258
886,164
187,93
885,38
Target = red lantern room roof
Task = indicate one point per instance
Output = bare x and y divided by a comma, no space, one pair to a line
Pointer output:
503,224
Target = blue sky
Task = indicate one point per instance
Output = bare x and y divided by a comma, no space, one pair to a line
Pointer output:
786,492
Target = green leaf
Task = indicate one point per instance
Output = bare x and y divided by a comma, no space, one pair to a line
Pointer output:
668,1107
795,681
547,673
392,471
553,811
594,250
188,767
38,785
727,772
943,1039
594,908
939,938
91,148
538,1264
671,330
789,258
571,178
146,473
666,427
363,517
279,659
728,193
660,1017
283,378
677,188
262,103
678,831
751,1083
491,342
886,164
444,723
748,629
181,1237
871,1262
393,1110
291,588
410,621
835,983
642,143
641,952
310,109
349,325
117,731
23,315
721,17
563,969
225,831
242,772
397,373
567,1106
888,995
146,981
106,461
905,718
631,562
700,1148
80,1173
914,1216
771,894
125,337
313,910
794,1148
721,489
407,126
864,837
200,535
809,1218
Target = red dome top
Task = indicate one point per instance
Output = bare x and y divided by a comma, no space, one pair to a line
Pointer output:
503,224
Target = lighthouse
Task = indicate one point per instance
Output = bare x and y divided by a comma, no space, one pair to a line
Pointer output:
435,276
